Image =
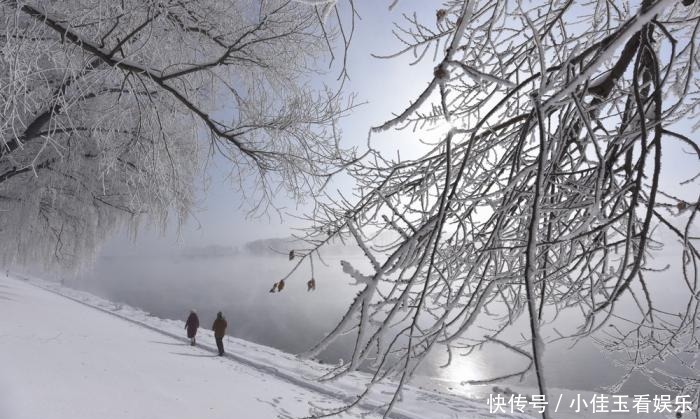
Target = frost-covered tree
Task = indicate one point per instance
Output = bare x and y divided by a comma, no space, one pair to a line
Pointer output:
544,191
109,109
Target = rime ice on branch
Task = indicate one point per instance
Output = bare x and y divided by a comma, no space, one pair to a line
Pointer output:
105,109
546,194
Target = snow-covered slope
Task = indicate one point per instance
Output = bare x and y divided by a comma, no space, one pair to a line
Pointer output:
64,360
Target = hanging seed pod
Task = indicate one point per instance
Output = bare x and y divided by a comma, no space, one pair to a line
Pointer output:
280,285
440,15
291,254
682,205
311,285
441,73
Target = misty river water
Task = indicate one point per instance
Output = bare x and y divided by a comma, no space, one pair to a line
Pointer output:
168,287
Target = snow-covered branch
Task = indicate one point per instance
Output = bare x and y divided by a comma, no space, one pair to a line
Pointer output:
547,194
103,107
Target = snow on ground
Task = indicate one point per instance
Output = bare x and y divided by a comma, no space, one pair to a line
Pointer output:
92,358
65,360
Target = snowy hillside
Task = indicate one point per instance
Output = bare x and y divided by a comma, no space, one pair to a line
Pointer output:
63,359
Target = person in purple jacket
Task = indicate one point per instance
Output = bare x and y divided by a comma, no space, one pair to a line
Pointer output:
192,324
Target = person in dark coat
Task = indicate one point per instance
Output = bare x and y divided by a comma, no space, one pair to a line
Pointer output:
219,328
191,325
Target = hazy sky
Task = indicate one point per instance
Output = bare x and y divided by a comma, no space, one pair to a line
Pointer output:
383,86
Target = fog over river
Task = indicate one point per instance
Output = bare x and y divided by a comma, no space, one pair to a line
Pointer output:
237,282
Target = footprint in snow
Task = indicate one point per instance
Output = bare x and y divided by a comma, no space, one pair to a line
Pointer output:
274,402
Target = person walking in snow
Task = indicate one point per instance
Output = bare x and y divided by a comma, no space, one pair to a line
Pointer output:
219,328
192,324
